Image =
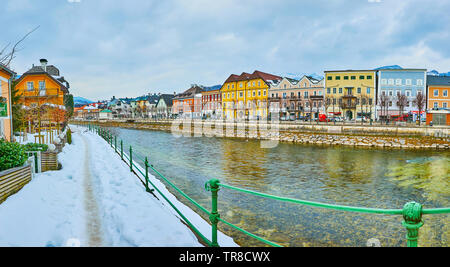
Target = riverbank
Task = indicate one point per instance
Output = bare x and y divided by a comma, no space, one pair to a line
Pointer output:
382,137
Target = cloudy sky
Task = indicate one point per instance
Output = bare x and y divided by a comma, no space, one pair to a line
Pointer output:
129,48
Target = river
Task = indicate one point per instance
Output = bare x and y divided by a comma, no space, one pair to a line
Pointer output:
335,175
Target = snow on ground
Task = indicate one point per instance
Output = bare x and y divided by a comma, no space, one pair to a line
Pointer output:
95,201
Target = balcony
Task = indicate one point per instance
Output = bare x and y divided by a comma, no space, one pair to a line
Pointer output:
40,93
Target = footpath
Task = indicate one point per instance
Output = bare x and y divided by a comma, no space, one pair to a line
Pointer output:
94,201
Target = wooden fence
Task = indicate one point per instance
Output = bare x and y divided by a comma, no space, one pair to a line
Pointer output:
49,161
12,180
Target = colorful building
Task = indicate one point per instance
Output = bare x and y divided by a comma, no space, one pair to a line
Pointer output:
351,93
6,127
42,85
164,106
189,103
438,104
212,102
245,96
400,88
294,98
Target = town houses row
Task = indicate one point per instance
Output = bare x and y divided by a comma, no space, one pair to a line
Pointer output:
386,94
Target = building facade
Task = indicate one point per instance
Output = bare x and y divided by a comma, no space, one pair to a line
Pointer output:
399,88
188,104
6,126
211,103
245,96
438,104
351,94
164,106
297,98
42,85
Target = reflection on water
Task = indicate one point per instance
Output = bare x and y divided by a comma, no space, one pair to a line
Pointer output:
336,175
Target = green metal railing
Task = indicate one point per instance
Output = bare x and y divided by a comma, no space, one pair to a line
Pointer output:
412,212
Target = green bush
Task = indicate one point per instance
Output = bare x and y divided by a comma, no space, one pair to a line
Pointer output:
36,147
11,155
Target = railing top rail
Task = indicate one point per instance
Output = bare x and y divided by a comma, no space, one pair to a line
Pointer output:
334,206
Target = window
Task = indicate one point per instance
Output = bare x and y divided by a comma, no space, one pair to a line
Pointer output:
334,90
232,95
241,94
259,83
383,81
285,86
30,86
228,95
359,90
398,82
320,92
369,77
41,85
232,86
444,105
240,85
408,93
368,90
338,78
436,105
328,90
370,101
345,77
353,77
249,94
419,82
340,90
284,95
330,78
264,92
254,93
306,94
228,86
408,82
445,93
361,77
254,83
436,93
259,93
391,82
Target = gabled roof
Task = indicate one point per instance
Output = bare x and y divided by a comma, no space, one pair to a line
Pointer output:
189,93
52,72
6,69
267,77
167,98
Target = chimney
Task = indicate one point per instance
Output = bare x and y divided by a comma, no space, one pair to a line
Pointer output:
44,64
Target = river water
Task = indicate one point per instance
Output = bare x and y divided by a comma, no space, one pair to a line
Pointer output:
335,175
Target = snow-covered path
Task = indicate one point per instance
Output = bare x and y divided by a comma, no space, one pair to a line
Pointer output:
93,225
94,201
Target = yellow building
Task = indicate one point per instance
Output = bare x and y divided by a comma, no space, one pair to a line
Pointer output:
351,94
245,96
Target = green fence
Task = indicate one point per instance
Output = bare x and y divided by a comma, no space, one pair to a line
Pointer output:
412,212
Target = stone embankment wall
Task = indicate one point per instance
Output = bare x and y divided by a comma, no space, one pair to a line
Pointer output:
319,134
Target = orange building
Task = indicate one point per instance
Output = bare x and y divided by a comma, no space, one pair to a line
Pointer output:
6,77
438,100
189,103
42,84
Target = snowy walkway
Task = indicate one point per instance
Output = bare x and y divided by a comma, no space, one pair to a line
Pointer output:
94,201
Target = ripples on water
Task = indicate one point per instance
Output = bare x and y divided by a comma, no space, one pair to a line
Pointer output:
335,175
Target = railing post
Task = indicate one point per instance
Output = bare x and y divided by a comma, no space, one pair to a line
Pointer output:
214,217
121,149
115,143
412,215
131,159
146,176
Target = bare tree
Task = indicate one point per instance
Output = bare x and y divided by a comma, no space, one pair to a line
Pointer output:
8,52
383,101
402,100
420,102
